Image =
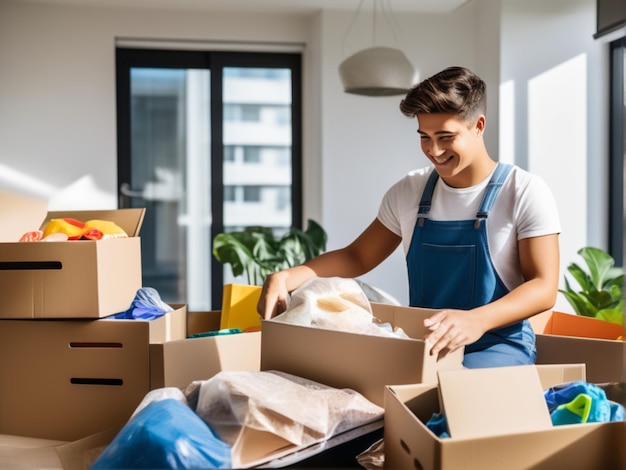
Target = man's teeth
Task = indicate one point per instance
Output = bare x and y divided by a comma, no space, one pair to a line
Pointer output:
442,160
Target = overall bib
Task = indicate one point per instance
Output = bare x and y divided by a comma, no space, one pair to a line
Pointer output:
449,266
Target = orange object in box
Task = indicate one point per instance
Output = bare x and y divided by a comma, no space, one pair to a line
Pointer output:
564,338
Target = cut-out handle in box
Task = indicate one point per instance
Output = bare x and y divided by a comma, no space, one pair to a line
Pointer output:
29,265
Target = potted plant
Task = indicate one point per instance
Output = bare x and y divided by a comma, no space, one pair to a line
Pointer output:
600,293
257,252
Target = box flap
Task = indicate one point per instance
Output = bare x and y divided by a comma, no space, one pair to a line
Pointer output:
569,324
129,220
18,215
81,454
555,374
410,319
493,401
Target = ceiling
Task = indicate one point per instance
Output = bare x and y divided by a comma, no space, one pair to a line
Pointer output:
284,6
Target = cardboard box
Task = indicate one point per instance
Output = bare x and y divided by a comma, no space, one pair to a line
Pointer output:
178,363
28,453
66,379
361,362
17,452
200,322
507,425
564,338
73,279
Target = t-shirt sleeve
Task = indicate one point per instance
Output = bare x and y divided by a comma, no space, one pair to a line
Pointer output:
388,212
538,214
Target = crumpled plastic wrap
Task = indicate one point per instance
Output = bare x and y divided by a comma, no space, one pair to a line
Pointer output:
334,303
373,458
300,411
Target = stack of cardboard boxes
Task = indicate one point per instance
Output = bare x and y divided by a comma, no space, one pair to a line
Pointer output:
67,369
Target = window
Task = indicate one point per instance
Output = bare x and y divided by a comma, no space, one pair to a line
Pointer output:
252,193
203,143
617,149
252,154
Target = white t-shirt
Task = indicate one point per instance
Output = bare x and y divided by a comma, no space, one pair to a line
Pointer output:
524,208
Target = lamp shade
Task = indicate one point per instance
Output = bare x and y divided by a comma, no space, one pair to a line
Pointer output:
377,71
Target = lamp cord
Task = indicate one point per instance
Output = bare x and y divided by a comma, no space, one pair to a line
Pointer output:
388,16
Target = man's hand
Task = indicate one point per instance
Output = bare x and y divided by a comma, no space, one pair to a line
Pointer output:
452,329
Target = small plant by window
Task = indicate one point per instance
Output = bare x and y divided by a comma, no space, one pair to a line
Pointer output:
600,286
257,252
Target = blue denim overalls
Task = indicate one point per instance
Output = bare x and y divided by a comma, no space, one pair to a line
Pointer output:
450,266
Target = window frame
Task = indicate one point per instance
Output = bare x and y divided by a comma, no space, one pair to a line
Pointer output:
128,57
617,152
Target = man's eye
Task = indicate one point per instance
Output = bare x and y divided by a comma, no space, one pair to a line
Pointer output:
447,138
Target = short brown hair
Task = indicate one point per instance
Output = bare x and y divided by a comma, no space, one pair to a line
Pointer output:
455,90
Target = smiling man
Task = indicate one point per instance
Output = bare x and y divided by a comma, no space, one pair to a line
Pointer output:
480,237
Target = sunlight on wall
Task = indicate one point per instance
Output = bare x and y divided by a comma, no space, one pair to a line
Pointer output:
557,145
16,182
507,122
82,194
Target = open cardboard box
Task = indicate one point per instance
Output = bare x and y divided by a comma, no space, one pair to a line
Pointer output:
73,279
360,362
67,379
498,418
178,363
564,338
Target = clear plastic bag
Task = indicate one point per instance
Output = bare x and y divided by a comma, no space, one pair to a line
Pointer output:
276,407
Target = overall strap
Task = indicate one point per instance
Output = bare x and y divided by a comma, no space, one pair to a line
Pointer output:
427,196
497,180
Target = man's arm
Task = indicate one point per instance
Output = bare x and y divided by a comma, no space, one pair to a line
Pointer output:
366,252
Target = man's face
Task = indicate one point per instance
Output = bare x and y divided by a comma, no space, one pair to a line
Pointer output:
452,145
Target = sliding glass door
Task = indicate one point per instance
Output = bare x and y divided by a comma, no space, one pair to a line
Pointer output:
207,142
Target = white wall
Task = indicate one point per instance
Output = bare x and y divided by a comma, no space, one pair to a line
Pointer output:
558,77
57,101
367,143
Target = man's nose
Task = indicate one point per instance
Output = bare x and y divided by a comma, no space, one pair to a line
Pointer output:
435,150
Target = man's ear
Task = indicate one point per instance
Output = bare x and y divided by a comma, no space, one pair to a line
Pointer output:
480,125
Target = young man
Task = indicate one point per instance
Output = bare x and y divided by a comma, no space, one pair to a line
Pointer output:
480,238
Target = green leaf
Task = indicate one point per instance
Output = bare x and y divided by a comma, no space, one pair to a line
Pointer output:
317,235
599,263
614,315
228,249
581,277
580,303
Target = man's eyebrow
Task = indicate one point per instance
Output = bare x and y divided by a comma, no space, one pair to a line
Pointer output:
419,131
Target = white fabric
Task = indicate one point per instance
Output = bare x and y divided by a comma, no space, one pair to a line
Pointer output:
524,208
335,303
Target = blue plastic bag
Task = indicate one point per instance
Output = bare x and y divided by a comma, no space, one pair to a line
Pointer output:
147,305
166,434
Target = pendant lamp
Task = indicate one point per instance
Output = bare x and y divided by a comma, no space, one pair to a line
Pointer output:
377,70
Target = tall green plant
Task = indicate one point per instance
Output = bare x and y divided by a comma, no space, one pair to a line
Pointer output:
257,252
600,293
